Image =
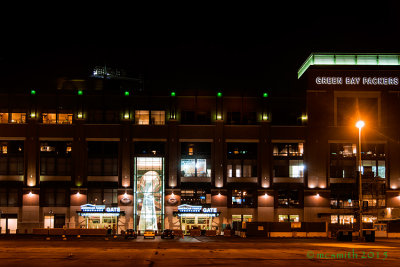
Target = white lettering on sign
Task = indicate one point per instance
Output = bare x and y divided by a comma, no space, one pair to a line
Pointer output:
209,210
357,80
352,80
195,209
329,80
113,209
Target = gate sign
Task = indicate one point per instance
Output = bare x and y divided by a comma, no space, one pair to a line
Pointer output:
90,210
185,208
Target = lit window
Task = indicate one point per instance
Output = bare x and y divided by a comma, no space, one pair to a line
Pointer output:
158,117
3,117
64,118
342,219
47,148
289,218
142,117
195,168
296,168
18,117
283,218
49,221
190,153
49,118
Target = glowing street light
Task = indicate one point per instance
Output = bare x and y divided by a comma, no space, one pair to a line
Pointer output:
360,124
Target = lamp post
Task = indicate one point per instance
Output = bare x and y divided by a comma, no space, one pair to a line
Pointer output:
359,125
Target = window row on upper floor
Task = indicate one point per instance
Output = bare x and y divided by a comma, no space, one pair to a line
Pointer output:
139,117
195,159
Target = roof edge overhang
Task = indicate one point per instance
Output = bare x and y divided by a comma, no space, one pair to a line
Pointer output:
346,59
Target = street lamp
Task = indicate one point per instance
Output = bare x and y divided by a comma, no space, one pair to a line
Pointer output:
359,125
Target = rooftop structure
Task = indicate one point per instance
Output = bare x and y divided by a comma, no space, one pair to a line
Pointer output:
349,59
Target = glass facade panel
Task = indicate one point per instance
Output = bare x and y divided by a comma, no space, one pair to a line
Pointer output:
188,167
149,193
195,168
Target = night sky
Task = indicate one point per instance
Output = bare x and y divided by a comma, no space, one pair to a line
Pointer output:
232,47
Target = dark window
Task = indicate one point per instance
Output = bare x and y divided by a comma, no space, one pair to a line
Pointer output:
350,109
54,196
346,107
196,196
9,197
149,148
369,109
96,116
233,117
192,117
102,158
55,158
203,117
242,198
288,199
103,196
12,158
242,150
59,220
188,117
249,118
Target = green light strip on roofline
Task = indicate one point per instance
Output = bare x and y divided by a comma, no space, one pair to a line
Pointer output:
349,59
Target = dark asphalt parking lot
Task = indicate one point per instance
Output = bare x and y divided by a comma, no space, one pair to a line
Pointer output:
198,251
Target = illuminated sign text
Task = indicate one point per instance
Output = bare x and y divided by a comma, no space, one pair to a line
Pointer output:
357,80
